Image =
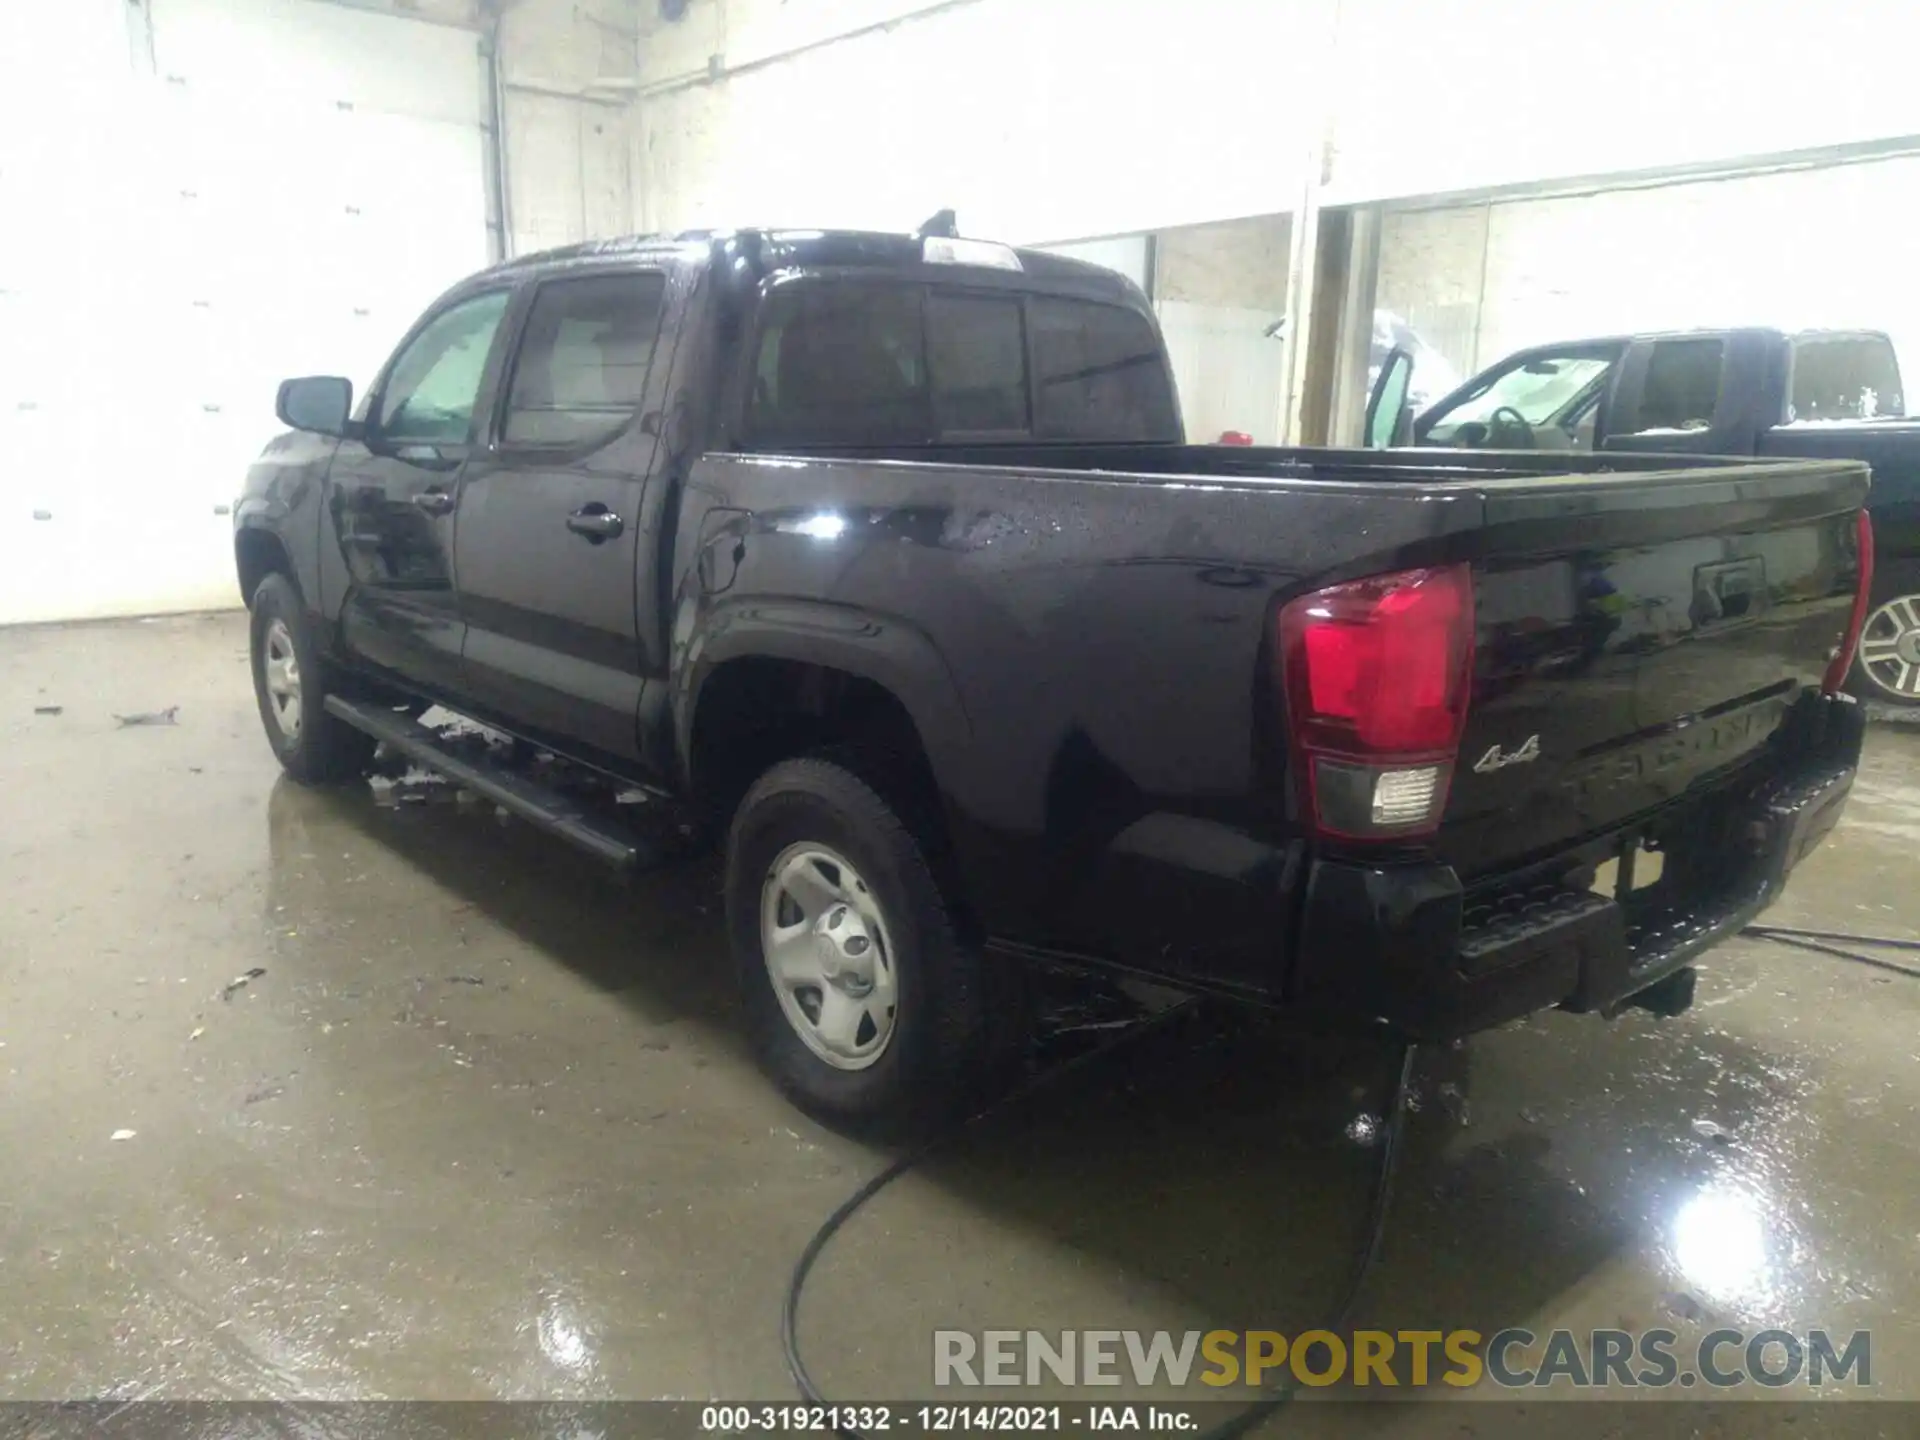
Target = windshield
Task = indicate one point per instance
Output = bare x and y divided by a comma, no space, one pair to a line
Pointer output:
1537,391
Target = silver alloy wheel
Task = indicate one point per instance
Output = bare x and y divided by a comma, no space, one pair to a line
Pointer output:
281,665
1890,648
829,955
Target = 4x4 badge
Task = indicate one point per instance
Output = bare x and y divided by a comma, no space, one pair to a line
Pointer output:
1498,759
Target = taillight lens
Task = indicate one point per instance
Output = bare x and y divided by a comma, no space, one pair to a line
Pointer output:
1377,674
1857,621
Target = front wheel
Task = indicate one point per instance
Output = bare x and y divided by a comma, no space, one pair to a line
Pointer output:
862,1001
290,684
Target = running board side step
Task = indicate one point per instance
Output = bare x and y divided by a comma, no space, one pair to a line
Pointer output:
544,809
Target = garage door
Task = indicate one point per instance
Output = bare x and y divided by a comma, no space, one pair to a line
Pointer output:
249,190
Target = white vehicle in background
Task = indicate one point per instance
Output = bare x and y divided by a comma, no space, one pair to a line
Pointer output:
1433,373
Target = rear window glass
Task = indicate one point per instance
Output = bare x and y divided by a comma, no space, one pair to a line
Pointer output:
1682,388
857,364
1850,377
977,363
840,364
1099,373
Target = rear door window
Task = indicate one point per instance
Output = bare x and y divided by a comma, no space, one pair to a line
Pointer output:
1099,373
1682,388
1844,377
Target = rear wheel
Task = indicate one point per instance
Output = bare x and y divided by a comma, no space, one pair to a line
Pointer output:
862,1001
1887,667
289,681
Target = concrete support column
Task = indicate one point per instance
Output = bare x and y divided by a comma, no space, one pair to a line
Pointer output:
1353,351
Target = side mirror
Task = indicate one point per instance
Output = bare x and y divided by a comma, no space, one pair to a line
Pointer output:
317,403
1389,416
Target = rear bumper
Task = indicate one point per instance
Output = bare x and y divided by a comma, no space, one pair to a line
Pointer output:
1406,945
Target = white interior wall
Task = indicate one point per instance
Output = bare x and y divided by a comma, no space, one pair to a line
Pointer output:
1034,119
211,195
567,68
1818,247
1472,94
1218,290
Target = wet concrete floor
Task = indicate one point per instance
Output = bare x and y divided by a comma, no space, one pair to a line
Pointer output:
479,1124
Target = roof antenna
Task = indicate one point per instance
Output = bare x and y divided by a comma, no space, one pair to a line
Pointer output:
942,223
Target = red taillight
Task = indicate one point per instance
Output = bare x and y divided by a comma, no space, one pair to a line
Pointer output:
1377,674
1857,620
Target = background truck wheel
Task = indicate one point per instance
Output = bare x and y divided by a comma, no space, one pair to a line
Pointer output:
290,683
1887,669
861,1000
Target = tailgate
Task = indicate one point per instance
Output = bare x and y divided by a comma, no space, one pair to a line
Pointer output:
1638,635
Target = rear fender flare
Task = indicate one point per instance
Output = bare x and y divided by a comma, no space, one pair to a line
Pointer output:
890,652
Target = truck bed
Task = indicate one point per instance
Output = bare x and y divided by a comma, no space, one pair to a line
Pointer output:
1102,622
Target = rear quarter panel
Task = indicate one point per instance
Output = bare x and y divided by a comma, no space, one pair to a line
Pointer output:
1086,658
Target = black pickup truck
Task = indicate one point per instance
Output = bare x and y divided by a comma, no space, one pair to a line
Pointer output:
883,554
1808,394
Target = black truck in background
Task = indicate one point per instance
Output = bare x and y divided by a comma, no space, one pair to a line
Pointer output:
1809,394
884,555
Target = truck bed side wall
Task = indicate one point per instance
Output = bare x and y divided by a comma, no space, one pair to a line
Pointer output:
1087,664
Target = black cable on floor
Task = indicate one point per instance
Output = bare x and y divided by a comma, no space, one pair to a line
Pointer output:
1769,932
1815,940
1365,1258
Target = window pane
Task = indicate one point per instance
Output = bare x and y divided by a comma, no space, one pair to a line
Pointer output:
582,367
432,387
1544,391
977,361
1101,374
839,364
1851,377
1682,387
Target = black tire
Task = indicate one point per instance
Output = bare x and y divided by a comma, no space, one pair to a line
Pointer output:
321,749
1895,585
959,1016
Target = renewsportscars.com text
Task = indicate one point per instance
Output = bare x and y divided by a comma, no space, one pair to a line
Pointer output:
1513,1358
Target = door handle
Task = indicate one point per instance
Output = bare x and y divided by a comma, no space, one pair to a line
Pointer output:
434,502
596,522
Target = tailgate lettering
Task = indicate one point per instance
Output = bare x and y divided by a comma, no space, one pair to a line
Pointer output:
1496,759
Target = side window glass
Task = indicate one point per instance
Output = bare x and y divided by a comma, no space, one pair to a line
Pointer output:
582,365
431,389
1100,373
1682,388
840,364
976,363
1853,377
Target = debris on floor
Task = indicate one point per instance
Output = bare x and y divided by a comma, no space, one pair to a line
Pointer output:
123,1134
168,716
49,709
240,982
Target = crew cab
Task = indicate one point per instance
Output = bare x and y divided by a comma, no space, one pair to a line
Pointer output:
883,557
1807,394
